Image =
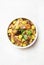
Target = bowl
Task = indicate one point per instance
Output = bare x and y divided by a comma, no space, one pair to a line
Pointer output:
36,35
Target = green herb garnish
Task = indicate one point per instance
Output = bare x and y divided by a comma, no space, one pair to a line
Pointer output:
25,37
29,32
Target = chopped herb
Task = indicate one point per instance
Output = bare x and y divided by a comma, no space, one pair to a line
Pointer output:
29,32
25,37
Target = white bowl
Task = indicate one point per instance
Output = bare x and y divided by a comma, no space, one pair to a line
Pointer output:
34,41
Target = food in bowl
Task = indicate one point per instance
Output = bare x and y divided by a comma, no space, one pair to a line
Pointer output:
21,32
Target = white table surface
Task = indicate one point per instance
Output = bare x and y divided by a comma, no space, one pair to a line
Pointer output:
11,9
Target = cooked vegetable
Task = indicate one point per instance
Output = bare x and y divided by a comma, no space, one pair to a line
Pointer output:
24,44
23,40
32,36
27,26
14,22
29,32
33,27
20,36
21,32
12,26
24,22
12,38
25,37
14,31
9,30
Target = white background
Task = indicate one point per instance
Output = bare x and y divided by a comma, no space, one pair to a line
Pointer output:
11,9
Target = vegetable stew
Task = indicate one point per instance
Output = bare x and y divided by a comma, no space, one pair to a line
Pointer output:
21,32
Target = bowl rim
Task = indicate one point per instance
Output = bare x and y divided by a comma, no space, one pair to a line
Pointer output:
33,40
